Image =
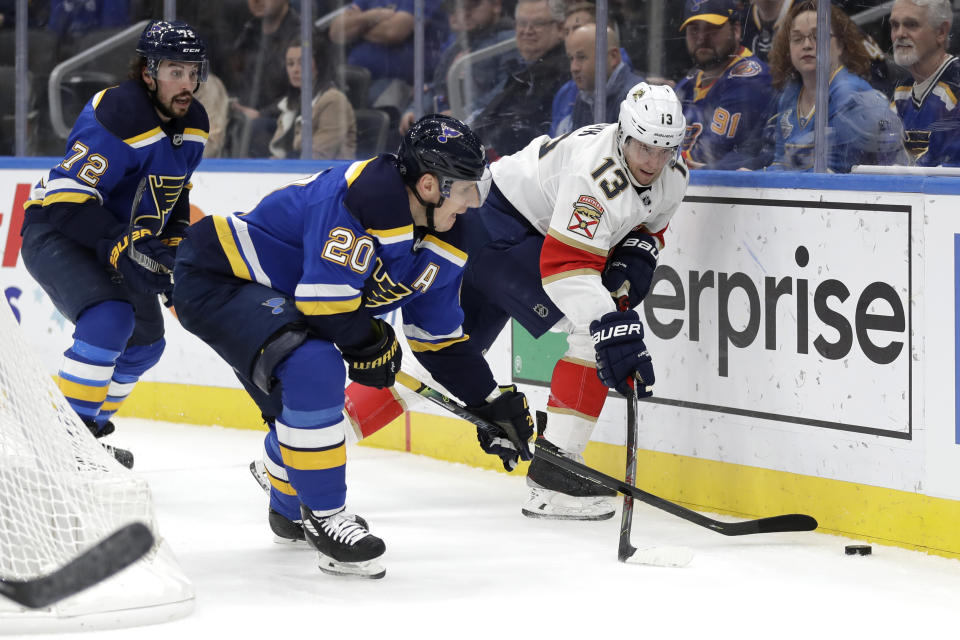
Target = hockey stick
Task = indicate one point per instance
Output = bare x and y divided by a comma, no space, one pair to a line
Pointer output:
144,261
459,410
789,522
625,550
773,524
118,551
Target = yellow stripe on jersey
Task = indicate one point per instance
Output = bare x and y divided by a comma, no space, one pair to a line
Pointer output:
418,346
281,485
445,249
946,94
111,406
328,307
391,233
77,391
97,98
32,203
192,131
143,136
67,196
314,460
230,249
354,170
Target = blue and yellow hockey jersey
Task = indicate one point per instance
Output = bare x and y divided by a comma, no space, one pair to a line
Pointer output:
116,141
343,245
725,119
930,115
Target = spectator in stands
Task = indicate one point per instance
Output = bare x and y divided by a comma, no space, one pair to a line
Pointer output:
927,102
334,122
576,14
760,25
256,77
212,94
379,34
76,18
521,110
581,51
764,17
727,97
476,24
862,127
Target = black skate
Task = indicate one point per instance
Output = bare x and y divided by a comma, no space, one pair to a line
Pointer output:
344,544
287,531
123,456
560,495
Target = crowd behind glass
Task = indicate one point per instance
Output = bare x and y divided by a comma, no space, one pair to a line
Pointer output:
748,83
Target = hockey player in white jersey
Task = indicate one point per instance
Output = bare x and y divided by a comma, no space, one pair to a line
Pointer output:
568,221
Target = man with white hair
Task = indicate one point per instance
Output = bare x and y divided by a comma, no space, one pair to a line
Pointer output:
927,103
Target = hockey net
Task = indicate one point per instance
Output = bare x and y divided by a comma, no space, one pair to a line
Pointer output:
61,493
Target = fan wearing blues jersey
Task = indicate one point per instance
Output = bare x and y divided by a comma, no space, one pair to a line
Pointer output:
291,290
86,216
927,101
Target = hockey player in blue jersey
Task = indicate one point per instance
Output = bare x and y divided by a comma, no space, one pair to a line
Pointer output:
728,97
927,101
289,291
83,219
862,129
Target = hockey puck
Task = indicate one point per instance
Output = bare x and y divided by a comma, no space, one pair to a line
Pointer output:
858,549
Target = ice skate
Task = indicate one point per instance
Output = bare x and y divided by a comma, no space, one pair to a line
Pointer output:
123,456
557,494
344,544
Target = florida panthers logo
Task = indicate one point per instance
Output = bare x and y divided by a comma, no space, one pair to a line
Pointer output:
448,134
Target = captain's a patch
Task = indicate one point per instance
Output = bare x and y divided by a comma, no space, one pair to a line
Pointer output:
586,216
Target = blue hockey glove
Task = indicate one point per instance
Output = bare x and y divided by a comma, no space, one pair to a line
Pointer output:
510,413
116,254
621,353
629,270
376,364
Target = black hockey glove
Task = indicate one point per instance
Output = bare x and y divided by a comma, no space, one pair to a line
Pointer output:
376,364
621,353
139,277
511,414
630,268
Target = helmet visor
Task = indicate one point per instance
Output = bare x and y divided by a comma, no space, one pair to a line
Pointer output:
180,71
471,193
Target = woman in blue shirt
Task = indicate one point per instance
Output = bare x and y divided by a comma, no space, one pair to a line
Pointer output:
862,128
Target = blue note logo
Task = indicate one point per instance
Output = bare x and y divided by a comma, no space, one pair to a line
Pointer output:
448,134
276,304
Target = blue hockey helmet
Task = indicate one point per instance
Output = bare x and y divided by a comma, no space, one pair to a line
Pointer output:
172,40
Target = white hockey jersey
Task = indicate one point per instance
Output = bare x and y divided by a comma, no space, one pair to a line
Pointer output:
576,191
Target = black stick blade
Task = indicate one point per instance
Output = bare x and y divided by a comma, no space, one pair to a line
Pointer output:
788,522
115,552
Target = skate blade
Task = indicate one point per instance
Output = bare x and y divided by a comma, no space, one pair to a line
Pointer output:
543,515
295,543
259,473
662,556
370,569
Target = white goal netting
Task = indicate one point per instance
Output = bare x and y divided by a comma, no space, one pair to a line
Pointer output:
61,492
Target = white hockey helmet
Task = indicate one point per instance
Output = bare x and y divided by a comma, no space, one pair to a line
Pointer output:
653,115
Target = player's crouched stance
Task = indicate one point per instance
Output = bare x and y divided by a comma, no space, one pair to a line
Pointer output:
287,292
569,221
